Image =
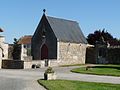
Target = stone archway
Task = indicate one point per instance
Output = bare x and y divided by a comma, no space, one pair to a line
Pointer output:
44,52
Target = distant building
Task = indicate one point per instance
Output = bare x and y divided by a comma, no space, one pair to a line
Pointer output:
3,48
60,41
25,42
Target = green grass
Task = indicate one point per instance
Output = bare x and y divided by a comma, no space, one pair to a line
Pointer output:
109,70
76,85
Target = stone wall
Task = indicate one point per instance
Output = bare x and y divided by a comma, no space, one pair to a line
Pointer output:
4,46
71,53
23,52
0,58
12,64
90,55
27,58
5,50
112,55
10,51
28,64
26,52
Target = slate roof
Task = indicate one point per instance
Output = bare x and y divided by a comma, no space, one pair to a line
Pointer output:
66,30
25,40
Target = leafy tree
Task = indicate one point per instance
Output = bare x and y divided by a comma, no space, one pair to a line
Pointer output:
16,50
96,36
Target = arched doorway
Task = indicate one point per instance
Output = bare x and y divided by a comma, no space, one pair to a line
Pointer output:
44,52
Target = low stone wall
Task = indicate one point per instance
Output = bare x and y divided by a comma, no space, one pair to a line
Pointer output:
112,55
28,64
12,64
51,63
54,62
27,58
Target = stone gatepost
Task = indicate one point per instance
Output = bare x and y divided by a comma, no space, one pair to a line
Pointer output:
101,52
0,58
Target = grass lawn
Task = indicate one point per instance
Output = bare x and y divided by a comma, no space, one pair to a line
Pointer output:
77,85
109,70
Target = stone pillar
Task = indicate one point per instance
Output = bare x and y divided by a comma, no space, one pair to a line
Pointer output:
0,58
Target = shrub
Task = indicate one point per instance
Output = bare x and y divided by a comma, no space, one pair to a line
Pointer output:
49,70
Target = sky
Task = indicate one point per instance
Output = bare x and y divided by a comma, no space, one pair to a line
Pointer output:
21,17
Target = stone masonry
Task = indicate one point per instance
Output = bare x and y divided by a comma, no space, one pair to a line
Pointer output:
71,53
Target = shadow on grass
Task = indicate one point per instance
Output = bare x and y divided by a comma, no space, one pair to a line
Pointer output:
114,67
42,84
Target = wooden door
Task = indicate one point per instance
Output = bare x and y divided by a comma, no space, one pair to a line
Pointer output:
44,52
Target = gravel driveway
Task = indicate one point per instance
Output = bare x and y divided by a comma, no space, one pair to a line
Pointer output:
26,79
19,80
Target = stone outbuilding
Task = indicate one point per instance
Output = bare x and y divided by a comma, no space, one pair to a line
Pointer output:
3,48
25,43
59,41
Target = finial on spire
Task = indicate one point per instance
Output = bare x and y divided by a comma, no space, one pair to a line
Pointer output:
44,11
1,30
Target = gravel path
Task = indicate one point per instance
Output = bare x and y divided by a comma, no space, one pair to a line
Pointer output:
19,80
27,79
64,73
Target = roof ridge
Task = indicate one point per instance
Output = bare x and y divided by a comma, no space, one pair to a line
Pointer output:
25,39
61,19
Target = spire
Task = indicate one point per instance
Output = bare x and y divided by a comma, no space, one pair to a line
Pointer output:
44,11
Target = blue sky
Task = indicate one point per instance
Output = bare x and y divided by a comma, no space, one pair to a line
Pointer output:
21,17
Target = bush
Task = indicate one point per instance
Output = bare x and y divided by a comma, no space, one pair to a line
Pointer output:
49,70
